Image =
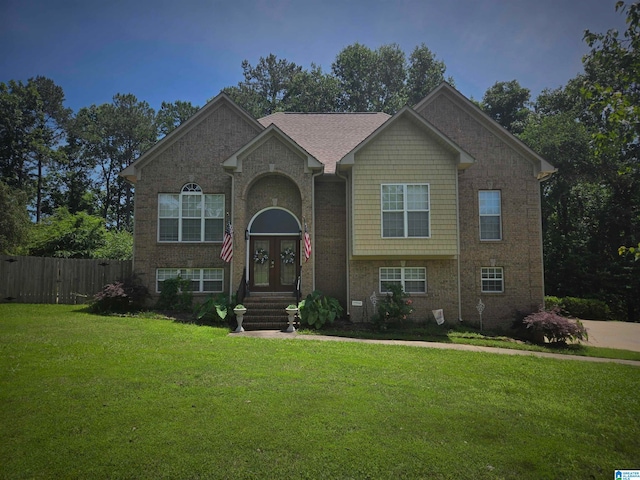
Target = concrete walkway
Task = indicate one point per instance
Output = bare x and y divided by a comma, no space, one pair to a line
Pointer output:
620,335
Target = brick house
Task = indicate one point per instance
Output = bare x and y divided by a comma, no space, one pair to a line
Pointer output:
438,197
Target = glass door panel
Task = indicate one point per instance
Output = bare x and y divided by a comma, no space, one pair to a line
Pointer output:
261,262
288,261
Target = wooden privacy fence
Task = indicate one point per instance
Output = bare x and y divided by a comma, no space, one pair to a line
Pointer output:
56,280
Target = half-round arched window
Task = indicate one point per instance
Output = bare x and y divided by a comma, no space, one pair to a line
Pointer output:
190,216
275,220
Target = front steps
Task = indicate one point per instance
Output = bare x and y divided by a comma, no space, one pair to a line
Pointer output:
265,311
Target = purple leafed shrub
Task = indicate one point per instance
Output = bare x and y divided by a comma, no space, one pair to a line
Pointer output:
555,327
120,297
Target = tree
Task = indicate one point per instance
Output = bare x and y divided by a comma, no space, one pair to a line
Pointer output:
118,245
424,74
14,221
32,125
571,198
172,115
67,235
361,80
265,86
312,91
371,80
391,75
111,136
507,102
611,89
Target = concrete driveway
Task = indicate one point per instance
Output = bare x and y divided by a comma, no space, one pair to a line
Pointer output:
620,335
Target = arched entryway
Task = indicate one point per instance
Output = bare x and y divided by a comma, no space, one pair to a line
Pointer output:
273,252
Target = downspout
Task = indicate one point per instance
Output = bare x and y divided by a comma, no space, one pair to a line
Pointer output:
233,202
347,231
458,247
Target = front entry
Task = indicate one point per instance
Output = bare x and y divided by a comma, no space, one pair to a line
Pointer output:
273,263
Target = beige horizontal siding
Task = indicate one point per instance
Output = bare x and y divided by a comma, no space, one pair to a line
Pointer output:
404,153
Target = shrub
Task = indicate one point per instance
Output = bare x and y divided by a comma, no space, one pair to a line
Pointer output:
554,327
120,297
552,302
318,309
394,307
175,295
586,308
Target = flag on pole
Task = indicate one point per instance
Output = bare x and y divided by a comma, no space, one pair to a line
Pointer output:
307,243
227,244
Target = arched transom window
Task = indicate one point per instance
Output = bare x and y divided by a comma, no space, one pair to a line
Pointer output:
190,216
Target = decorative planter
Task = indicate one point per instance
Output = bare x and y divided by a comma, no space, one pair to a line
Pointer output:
239,317
291,312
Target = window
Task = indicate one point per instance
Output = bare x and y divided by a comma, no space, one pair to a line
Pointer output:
490,215
405,211
190,216
492,279
202,279
412,279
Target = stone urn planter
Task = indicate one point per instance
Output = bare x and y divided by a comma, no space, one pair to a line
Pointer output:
292,311
239,310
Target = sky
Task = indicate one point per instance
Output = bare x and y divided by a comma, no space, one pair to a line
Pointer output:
165,50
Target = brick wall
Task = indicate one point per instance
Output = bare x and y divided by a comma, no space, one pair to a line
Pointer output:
499,167
195,156
330,239
273,174
441,288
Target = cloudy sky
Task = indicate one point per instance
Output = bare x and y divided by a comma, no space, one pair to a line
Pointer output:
189,50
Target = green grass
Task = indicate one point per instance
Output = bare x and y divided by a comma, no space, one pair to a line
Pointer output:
469,336
87,396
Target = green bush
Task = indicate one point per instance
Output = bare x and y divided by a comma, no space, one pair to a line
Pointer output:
395,307
552,302
318,309
585,308
175,295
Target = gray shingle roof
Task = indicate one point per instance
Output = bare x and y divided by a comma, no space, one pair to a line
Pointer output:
326,136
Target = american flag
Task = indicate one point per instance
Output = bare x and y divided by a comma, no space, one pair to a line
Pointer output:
227,244
307,243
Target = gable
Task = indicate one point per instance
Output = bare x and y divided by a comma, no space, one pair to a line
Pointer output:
271,143
211,134
476,132
405,153
462,158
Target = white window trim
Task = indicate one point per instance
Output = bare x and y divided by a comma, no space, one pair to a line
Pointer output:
402,279
177,272
482,279
405,210
492,215
191,189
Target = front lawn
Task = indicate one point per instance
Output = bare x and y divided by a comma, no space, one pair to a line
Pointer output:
87,396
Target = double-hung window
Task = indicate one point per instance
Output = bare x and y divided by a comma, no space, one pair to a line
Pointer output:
411,279
490,214
405,210
200,279
190,216
492,279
